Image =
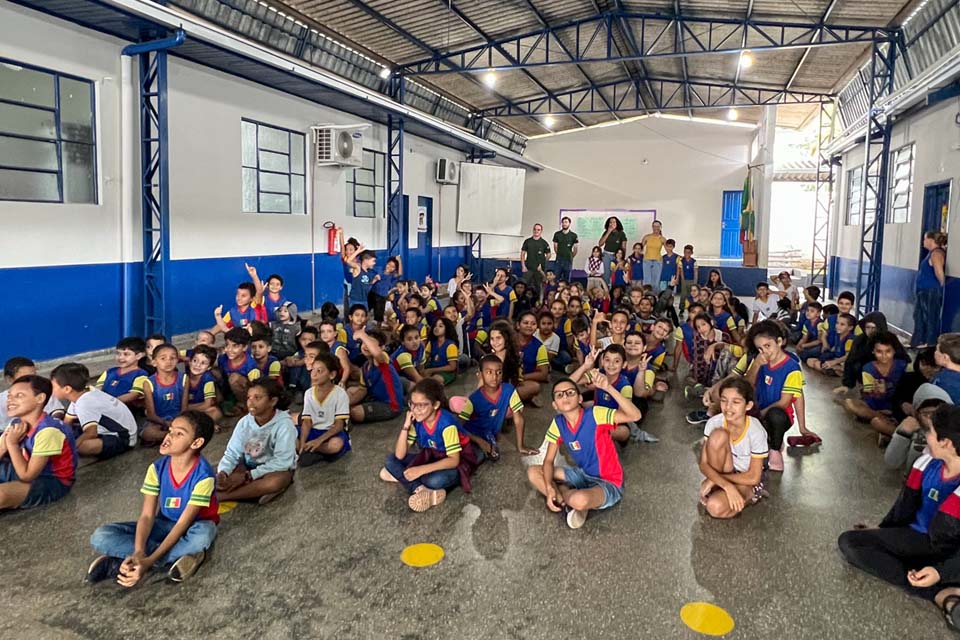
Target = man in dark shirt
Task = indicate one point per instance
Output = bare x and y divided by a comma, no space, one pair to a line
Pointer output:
533,259
565,245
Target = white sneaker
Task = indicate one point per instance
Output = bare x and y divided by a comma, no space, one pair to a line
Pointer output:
575,519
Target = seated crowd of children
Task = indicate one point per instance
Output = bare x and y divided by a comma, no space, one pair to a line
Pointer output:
604,354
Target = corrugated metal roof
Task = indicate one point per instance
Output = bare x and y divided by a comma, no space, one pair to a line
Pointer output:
403,31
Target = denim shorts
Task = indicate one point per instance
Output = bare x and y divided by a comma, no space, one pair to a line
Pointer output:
43,490
576,478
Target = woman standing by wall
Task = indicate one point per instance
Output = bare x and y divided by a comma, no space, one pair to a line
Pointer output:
929,290
652,244
613,238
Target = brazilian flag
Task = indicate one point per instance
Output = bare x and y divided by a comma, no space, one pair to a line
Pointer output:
748,217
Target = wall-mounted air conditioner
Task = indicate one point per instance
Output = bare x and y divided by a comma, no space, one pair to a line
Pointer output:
338,145
448,171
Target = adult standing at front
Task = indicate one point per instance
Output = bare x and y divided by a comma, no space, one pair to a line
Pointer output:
565,245
930,281
533,259
652,245
613,238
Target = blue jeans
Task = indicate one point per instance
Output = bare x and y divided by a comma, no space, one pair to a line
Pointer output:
926,317
651,274
562,269
116,539
443,479
607,258
561,360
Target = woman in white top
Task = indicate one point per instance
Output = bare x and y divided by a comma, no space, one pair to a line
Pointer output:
734,449
462,273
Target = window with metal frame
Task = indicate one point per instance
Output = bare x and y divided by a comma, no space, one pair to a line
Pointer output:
366,186
274,169
48,142
901,184
854,195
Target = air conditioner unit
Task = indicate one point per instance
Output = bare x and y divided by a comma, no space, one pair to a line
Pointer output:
448,171
338,145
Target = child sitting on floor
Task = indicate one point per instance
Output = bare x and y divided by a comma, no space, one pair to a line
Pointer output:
441,353
285,330
596,480
260,345
485,411
733,453
836,347
178,521
329,335
379,395
880,379
106,426
921,532
947,357
202,386
409,357
38,456
247,308
17,367
125,381
809,345
165,394
261,456
326,410
446,458
237,368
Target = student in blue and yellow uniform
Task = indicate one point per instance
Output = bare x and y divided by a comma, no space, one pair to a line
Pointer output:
248,306
947,357
330,336
379,395
38,456
273,297
505,307
202,386
267,363
237,368
809,344
446,458
915,547
442,353
837,344
778,383
125,381
178,521
723,317
596,479
880,378
165,394
485,411
410,356
670,271
357,321
611,360
534,362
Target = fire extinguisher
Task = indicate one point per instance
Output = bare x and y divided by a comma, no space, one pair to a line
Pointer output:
333,241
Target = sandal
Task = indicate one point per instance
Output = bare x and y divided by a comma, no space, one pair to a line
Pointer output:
952,615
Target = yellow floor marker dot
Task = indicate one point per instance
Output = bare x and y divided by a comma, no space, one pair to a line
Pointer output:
422,555
226,507
706,618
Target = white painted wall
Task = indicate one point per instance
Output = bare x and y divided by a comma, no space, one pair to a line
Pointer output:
205,109
936,135
689,165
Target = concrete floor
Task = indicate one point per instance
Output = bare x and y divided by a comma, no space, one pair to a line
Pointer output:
323,560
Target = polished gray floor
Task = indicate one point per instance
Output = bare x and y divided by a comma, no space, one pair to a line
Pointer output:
322,560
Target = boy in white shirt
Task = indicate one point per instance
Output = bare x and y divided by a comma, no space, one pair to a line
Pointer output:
104,425
326,411
764,304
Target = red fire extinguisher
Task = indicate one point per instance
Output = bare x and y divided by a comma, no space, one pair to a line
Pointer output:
333,241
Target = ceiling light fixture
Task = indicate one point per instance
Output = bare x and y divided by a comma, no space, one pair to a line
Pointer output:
384,73
746,59
732,114
490,79
549,121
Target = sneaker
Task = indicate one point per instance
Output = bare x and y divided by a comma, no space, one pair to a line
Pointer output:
758,493
423,498
186,566
570,368
103,568
698,417
775,460
693,392
575,519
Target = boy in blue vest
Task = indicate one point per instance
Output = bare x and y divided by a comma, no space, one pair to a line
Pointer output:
670,272
809,345
947,357
273,298
689,272
237,368
379,396
178,521
166,394
485,411
596,479
247,308
125,381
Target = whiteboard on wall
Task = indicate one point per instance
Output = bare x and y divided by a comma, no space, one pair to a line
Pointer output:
588,224
491,199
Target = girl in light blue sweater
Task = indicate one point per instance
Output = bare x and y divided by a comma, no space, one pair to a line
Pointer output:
261,455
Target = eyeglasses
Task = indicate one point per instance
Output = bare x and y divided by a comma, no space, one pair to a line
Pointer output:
420,405
565,393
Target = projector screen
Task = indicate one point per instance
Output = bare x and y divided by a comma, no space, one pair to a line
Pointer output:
491,199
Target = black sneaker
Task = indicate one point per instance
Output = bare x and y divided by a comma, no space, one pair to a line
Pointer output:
698,417
186,566
103,568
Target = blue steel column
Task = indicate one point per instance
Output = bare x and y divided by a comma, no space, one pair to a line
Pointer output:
155,179
396,232
820,255
876,164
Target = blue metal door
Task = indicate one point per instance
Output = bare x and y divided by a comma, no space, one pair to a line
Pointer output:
420,260
936,203
730,246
